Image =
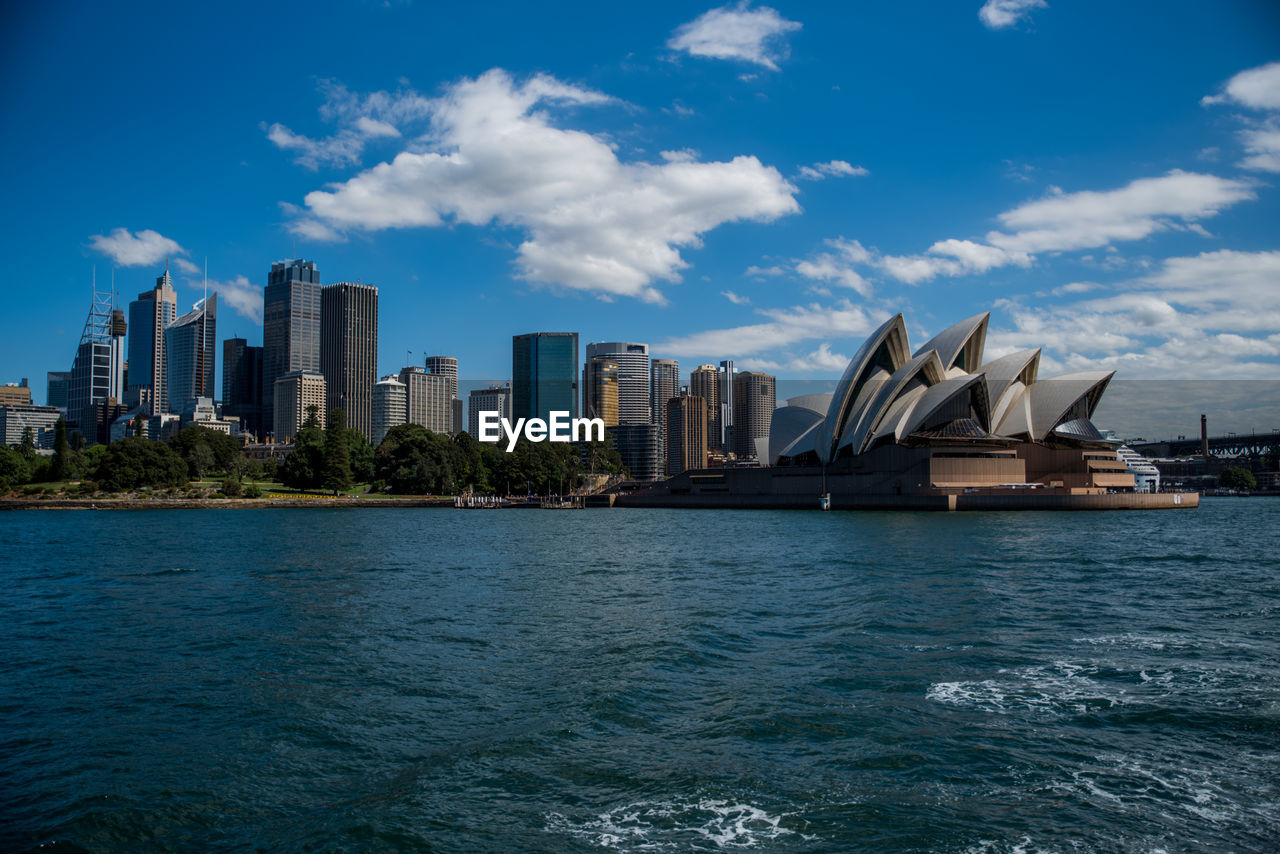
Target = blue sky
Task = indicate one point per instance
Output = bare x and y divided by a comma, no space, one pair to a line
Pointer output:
760,182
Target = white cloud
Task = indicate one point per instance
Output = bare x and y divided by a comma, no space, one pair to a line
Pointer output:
775,270
238,294
784,327
736,32
360,119
1086,219
1262,142
592,222
186,266
140,249
1001,14
831,169
821,360
736,299
1061,222
1258,88
1208,315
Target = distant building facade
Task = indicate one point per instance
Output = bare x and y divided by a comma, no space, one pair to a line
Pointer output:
704,382
290,326
544,374
427,399
15,418
637,445
686,434
294,395
58,383
190,345
754,395
242,383
15,394
600,390
149,316
390,407
634,406
495,398
447,367
349,351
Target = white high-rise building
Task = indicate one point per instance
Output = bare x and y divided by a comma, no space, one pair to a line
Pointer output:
389,406
634,406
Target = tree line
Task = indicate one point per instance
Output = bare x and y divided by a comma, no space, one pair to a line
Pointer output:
410,460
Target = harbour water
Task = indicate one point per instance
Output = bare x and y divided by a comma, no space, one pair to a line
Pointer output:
640,680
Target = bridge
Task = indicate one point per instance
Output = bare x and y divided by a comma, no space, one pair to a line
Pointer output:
1230,445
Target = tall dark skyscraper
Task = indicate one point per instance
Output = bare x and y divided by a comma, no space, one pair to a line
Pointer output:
349,351
242,383
98,370
544,374
190,347
56,392
149,315
290,326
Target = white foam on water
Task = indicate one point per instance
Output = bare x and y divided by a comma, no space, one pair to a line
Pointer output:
1023,845
1058,688
686,825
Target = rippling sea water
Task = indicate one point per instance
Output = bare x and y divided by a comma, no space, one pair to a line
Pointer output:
640,680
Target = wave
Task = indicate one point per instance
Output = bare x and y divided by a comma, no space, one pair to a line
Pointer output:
680,824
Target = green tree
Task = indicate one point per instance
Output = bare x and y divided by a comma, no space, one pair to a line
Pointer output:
138,422
28,446
303,468
61,466
1237,477
413,460
313,416
199,460
361,455
223,449
134,462
13,468
337,453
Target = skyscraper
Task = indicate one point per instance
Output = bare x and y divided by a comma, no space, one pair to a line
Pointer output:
664,384
190,344
242,383
389,406
704,382
427,400
544,374
149,315
447,367
600,390
686,434
727,441
637,444
634,406
295,393
95,373
58,384
495,398
349,351
290,326
753,404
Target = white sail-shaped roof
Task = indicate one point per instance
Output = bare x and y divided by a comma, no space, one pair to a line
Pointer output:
1052,401
924,369
949,400
884,350
960,345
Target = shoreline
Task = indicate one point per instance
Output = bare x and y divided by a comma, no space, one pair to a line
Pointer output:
215,503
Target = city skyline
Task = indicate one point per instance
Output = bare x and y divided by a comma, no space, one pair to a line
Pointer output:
952,161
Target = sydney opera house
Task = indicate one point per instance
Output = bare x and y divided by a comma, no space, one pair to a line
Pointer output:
938,428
